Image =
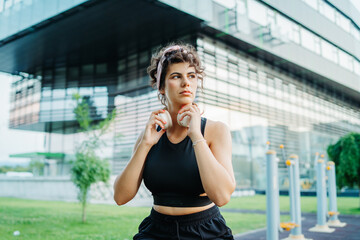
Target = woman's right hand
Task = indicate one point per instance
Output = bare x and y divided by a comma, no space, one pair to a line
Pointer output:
151,135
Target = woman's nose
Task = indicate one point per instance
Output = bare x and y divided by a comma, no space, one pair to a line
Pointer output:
186,81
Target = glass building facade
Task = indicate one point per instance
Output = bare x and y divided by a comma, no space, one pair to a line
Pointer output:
270,76
20,15
260,103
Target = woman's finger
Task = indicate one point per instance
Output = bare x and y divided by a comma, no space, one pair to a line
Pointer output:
184,114
160,119
154,113
158,122
193,108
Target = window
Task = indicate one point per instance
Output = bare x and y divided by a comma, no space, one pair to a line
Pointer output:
227,3
7,4
296,33
101,68
345,60
357,67
73,73
241,7
210,84
69,103
221,73
271,19
209,67
58,93
100,89
285,26
312,3
328,51
87,69
326,10
257,12
86,91
58,104
121,65
46,92
307,39
234,90
100,101
317,45
354,32
45,105
342,21
71,91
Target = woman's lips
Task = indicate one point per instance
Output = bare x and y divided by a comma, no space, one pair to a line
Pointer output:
185,93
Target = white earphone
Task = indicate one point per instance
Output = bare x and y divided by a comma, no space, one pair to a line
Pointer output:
167,118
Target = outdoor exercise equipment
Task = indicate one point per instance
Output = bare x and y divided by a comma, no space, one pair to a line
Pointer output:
272,197
333,212
289,225
321,225
294,194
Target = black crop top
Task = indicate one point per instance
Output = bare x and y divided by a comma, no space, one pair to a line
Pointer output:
172,175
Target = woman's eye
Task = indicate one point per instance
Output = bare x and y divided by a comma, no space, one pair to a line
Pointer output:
192,76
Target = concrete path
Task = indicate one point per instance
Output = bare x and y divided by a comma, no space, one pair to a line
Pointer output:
350,232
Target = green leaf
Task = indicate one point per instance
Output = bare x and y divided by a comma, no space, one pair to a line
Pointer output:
346,155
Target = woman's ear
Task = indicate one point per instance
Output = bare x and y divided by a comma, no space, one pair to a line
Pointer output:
162,91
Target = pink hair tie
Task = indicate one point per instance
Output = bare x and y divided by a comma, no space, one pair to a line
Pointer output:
161,62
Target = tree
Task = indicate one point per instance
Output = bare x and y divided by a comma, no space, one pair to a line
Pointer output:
37,167
88,167
5,169
346,156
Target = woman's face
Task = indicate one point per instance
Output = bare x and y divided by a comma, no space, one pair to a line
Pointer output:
180,84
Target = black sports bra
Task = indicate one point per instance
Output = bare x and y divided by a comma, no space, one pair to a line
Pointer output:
172,175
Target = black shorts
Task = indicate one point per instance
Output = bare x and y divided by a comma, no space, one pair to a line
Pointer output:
208,224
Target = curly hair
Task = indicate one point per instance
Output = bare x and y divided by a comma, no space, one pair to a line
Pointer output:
186,53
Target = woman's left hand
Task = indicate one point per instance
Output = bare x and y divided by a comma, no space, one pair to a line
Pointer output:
194,129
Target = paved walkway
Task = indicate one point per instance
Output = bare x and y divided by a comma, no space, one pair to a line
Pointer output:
350,232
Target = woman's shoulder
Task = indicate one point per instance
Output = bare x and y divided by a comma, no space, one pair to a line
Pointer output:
215,128
216,124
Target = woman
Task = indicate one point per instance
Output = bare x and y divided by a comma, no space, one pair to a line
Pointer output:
187,169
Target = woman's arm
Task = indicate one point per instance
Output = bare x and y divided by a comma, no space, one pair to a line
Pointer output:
215,163
128,182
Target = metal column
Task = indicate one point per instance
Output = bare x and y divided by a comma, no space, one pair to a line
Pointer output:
333,211
321,225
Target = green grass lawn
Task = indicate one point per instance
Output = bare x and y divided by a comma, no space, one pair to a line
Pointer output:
346,205
61,220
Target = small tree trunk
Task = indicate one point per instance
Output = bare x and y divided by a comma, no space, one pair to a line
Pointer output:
84,196
84,212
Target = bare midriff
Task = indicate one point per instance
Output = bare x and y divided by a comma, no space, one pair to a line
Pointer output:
175,211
